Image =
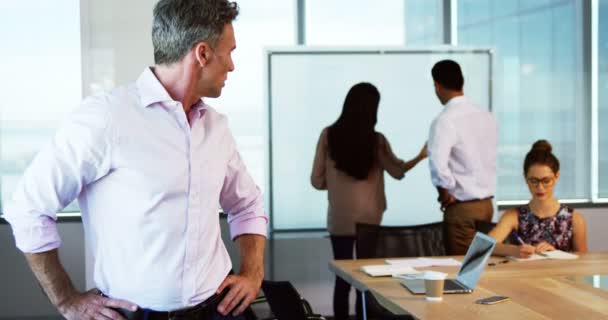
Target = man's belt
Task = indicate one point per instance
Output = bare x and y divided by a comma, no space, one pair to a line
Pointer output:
474,200
199,311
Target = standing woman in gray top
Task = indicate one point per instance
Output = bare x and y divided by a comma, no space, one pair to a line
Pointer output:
349,163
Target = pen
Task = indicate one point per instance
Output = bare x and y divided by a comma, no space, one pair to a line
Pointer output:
498,262
517,238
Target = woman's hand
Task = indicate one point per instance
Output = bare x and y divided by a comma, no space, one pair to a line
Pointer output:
423,152
525,251
544,246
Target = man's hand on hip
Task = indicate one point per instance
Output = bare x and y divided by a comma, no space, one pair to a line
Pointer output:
445,198
91,305
242,290
447,201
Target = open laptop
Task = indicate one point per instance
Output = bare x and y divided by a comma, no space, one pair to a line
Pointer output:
473,264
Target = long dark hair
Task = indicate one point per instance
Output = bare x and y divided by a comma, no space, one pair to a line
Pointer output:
352,138
541,154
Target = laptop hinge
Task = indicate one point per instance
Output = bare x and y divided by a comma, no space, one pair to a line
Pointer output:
462,284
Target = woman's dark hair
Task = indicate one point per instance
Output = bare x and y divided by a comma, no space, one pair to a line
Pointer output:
352,139
448,74
541,154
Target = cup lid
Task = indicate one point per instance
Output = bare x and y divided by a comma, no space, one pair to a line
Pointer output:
434,275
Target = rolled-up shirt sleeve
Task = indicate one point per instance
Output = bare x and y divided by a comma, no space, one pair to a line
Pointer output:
77,155
442,138
241,199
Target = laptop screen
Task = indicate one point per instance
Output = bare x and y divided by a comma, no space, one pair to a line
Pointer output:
475,260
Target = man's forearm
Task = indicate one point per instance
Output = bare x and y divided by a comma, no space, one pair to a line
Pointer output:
51,275
251,248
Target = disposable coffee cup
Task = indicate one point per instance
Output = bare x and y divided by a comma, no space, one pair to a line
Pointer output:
433,282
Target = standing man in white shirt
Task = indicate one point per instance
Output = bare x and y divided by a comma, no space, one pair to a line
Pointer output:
462,157
149,163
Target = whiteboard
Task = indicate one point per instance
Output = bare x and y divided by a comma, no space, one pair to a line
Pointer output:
306,91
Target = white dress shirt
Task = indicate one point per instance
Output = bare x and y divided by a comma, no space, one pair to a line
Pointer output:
462,150
148,184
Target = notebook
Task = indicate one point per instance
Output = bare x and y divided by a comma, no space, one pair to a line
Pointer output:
383,270
553,255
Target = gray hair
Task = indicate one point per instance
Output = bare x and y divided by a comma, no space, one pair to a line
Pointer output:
179,25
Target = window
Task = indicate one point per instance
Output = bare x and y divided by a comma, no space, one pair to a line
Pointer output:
603,98
540,90
260,24
354,22
423,22
41,80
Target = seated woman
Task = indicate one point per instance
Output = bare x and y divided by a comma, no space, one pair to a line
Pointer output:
543,224
350,161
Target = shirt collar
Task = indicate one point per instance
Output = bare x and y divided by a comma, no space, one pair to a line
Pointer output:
150,89
456,101
200,108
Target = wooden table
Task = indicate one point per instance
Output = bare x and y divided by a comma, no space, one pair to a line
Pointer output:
542,289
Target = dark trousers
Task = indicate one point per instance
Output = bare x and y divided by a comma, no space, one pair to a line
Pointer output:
342,247
210,315
206,310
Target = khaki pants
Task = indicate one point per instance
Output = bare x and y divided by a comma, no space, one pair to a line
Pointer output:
459,224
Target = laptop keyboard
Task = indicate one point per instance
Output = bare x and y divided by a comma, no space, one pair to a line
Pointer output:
452,285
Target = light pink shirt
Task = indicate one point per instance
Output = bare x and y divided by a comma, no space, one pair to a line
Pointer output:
148,184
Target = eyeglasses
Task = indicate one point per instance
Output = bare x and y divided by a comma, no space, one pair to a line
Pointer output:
546,182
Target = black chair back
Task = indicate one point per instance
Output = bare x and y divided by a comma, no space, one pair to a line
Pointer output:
380,312
373,241
484,226
285,302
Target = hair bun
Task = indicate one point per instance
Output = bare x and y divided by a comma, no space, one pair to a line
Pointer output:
542,145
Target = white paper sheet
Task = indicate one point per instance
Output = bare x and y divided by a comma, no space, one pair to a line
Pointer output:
425,262
381,270
554,255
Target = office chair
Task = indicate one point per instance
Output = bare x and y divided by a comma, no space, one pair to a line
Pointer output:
484,226
380,312
374,241
285,302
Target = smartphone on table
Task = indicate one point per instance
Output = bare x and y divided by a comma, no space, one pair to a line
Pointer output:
492,300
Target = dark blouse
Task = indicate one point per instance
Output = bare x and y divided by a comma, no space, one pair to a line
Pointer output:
555,230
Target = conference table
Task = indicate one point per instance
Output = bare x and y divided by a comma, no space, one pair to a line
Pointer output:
541,289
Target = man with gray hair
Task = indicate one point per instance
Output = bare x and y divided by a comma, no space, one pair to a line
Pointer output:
149,162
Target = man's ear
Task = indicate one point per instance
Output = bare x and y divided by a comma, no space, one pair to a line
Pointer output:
437,85
202,52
